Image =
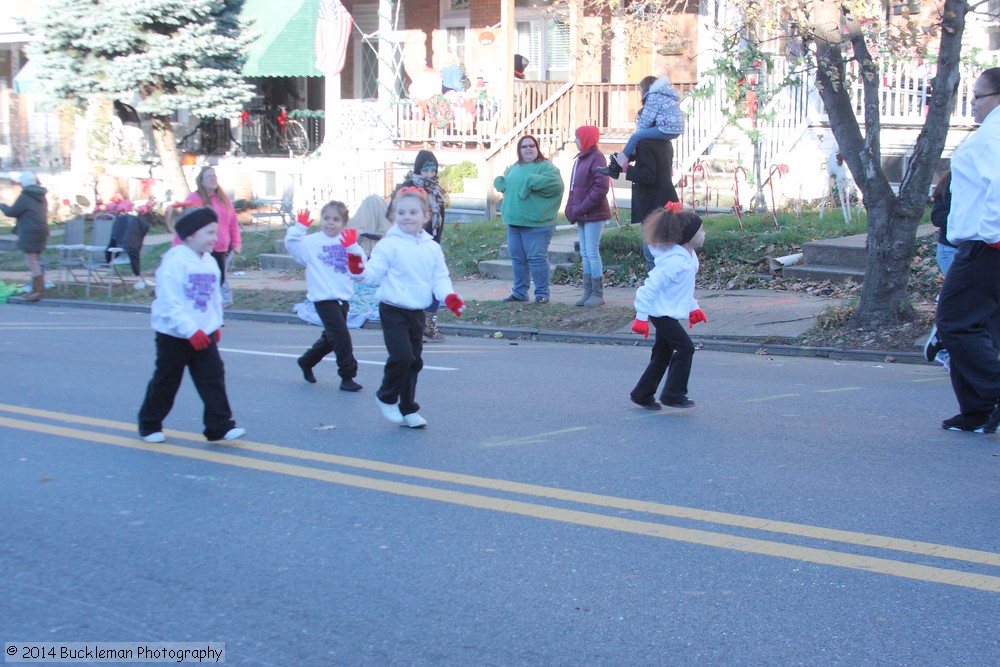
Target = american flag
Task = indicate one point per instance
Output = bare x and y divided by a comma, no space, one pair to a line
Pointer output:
333,29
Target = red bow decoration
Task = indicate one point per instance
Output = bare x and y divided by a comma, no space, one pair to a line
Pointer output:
674,206
412,190
244,118
283,119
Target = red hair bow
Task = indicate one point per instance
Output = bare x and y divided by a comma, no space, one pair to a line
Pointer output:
674,206
412,190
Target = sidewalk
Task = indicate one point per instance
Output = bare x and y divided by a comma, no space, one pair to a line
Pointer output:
747,314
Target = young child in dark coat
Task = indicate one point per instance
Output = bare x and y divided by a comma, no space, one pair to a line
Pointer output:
187,318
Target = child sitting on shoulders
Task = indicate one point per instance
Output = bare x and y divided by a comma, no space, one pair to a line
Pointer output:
188,304
665,298
329,287
661,119
410,270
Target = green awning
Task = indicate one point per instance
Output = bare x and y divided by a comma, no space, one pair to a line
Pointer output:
287,29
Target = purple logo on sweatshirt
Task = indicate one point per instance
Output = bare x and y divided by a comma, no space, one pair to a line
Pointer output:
335,256
199,289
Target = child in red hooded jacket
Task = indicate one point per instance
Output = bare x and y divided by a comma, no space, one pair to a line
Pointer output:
587,206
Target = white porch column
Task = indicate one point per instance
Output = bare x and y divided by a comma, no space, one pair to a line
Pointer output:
386,53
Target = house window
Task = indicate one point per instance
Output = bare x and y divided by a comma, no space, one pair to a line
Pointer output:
369,69
993,30
545,43
456,43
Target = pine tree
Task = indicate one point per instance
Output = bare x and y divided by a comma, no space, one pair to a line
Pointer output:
176,54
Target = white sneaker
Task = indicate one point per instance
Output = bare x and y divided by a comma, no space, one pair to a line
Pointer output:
414,420
139,285
390,412
234,433
154,437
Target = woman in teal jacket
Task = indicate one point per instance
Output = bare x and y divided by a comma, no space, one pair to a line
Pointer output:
533,190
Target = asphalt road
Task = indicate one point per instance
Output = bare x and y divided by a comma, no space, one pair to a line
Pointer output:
806,512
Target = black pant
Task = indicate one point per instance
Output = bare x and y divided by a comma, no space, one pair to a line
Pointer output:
673,348
209,376
220,259
403,331
335,338
968,319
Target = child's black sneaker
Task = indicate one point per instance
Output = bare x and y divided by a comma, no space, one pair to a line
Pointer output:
933,345
613,169
684,402
307,371
348,384
646,403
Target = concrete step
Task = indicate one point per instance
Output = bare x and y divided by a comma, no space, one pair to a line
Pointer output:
277,261
847,251
839,259
824,272
502,269
557,255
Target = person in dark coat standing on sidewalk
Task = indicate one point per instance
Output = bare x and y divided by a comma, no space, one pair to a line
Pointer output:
31,210
587,206
652,182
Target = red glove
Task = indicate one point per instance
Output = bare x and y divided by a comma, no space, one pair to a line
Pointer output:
217,335
696,316
348,237
355,263
200,340
641,327
455,304
305,218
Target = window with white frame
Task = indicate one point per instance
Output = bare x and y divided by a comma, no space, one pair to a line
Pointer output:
544,41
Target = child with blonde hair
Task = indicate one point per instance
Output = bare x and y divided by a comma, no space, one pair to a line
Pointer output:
410,271
665,298
329,286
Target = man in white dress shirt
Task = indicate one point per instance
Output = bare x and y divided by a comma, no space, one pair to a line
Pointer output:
969,305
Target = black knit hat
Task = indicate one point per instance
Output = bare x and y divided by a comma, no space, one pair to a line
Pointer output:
690,224
424,158
193,220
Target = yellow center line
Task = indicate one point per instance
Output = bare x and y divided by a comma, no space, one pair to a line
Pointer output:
576,517
553,493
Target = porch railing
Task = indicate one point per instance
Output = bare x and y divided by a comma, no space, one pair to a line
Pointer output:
906,90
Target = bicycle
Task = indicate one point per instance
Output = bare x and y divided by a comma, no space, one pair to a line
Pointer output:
267,134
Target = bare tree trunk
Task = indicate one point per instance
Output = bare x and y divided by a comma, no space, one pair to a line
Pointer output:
891,241
166,146
892,219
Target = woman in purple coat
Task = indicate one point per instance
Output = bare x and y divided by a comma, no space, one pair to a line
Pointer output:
587,206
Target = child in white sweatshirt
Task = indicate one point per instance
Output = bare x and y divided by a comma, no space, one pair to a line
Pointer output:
329,287
187,318
665,298
410,270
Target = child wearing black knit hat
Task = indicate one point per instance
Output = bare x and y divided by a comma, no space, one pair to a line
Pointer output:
187,318
665,298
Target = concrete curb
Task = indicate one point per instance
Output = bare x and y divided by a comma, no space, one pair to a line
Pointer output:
514,334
